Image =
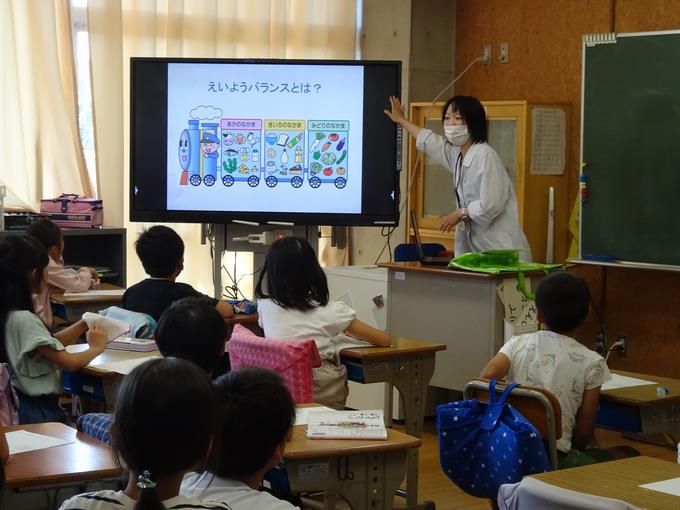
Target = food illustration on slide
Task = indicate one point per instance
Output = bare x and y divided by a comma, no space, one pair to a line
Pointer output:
232,150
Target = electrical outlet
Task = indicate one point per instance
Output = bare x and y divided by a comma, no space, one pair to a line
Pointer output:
623,348
503,53
486,53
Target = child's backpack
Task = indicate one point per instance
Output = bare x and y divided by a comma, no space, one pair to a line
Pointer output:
9,403
484,445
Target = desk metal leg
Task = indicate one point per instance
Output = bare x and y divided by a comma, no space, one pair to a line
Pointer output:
366,482
411,376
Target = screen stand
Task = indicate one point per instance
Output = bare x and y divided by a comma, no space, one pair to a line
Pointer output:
229,237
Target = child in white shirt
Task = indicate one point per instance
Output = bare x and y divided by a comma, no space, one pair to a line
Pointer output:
163,426
258,416
58,276
551,359
295,304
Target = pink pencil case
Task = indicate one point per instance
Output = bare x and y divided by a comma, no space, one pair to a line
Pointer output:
74,211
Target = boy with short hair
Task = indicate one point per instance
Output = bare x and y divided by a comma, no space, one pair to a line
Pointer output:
258,417
551,359
161,251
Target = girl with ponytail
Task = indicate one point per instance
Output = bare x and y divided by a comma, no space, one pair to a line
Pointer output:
163,426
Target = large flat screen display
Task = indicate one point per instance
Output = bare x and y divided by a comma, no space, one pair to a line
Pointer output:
299,141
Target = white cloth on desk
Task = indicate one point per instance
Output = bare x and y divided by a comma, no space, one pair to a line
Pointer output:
114,328
116,500
559,364
532,494
235,493
322,323
485,188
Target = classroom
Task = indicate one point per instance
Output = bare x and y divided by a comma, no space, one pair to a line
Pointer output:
581,106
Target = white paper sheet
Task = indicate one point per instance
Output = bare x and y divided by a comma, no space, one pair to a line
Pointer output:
302,413
96,292
20,441
123,367
621,381
671,486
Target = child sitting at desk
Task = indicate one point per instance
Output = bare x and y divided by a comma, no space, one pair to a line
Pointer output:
551,359
164,424
258,417
58,276
161,251
34,355
295,304
190,329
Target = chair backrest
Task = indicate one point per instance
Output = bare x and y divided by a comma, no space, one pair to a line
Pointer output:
292,359
9,403
538,405
406,252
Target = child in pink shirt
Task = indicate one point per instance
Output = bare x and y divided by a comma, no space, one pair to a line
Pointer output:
58,276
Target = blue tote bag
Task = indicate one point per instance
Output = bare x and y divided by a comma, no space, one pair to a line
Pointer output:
484,445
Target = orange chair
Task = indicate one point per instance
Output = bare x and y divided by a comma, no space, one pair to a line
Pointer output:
292,359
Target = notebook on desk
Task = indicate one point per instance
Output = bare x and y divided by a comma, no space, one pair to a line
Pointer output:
425,260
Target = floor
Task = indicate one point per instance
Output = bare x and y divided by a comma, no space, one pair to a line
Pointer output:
434,486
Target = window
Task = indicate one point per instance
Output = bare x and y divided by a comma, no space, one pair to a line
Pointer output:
81,51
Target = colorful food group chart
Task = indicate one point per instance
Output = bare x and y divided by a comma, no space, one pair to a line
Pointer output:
265,151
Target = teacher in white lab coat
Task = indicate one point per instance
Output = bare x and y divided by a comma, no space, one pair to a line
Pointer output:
486,215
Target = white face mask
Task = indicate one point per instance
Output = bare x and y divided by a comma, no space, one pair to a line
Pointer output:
457,135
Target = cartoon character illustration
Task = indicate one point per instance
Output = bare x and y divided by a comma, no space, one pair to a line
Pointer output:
227,138
210,146
188,152
252,139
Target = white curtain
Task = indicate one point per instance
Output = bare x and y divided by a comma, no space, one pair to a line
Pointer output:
39,136
194,28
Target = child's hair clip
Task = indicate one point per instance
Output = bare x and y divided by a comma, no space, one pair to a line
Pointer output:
144,480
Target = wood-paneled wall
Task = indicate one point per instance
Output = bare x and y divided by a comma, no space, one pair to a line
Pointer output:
544,39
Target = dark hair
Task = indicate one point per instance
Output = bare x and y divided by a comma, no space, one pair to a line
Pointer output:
19,255
473,114
564,301
293,275
45,231
161,250
192,329
258,413
165,418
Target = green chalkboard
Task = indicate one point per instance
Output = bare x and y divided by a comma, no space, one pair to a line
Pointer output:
631,149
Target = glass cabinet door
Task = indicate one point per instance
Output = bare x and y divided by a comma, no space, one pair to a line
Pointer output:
503,138
438,197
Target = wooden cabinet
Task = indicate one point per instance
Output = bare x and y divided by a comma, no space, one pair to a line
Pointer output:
531,140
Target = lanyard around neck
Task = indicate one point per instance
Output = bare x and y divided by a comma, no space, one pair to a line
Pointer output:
458,177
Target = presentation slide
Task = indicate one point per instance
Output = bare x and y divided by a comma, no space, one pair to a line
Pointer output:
254,137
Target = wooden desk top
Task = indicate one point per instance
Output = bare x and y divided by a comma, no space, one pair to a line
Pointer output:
400,346
445,271
86,459
58,296
619,479
643,395
301,448
108,356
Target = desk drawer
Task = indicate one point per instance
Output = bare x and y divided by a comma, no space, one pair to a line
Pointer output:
84,385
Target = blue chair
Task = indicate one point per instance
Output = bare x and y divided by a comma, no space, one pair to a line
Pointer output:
406,252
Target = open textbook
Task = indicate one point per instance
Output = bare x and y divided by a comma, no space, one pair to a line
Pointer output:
346,424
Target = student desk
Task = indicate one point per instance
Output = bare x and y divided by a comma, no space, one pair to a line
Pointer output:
69,465
71,308
639,410
619,479
460,309
366,473
408,365
97,383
